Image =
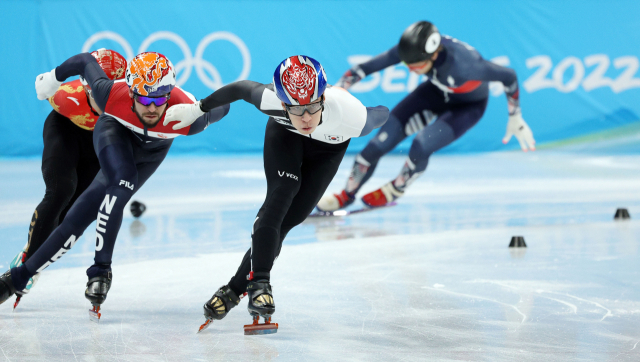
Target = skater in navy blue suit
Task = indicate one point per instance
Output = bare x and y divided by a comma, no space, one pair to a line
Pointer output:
438,111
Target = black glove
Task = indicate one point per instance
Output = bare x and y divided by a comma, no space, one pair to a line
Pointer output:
350,77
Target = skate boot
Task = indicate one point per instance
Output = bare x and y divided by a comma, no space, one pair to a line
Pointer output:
6,287
16,262
336,201
382,196
260,305
219,305
96,293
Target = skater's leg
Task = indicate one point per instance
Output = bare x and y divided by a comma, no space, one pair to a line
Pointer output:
59,162
450,125
144,171
79,217
239,281
87,167
412,114
121,175
318,169
283,156
388,137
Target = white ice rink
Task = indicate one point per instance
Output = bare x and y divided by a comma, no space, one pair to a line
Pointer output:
431,279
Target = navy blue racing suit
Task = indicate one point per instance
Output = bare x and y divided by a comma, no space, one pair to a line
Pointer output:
440,110
129,153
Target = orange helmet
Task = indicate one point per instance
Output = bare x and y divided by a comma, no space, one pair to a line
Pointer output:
151,74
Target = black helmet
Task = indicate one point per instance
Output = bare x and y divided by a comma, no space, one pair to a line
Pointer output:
418,42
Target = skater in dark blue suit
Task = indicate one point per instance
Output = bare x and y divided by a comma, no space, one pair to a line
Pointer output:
439,111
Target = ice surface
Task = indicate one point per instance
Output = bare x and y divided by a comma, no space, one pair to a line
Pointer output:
430,279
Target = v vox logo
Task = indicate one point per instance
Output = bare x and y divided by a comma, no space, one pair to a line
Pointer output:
289,175
190,61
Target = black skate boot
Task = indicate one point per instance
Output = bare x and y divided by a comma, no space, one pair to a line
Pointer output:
6,287
219,305
96,293
260,305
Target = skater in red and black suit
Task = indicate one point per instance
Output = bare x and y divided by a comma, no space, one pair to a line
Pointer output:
130,142
69,163
307,134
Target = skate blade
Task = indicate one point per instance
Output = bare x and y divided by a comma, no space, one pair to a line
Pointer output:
350,212
94,314
16,303
266,328
205,325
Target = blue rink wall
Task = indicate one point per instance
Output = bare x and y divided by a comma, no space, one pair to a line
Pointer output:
577,61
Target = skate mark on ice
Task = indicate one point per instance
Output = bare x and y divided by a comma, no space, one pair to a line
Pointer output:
572,306
524,317
71,342
413,330
575,308
608,314
4,354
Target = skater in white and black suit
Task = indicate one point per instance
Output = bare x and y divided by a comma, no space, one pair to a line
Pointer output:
307,134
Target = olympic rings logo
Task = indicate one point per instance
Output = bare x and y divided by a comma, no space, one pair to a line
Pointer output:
190,61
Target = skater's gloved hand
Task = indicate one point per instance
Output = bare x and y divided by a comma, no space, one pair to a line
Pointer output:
184,114
519,128
350,77
47,85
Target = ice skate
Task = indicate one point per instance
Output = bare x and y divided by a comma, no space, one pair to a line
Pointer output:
96,293
382,196
260,305
335,202
6,287
16,262
219,305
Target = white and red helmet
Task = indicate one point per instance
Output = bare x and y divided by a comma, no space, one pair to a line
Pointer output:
299,80
113,64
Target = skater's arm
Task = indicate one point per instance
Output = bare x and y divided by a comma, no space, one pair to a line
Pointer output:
376,117
516,126
213,116
491,72
188,114
378,63
357,72
249,91
83,64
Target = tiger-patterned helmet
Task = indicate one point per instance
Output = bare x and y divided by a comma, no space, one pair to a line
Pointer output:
151,74
299,80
